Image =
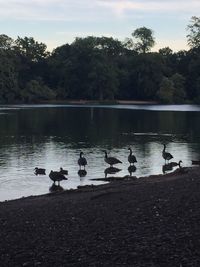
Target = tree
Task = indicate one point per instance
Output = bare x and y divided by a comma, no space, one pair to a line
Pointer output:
145,39
166,51
6,42
8,77
36,90
194,32
166,91
31,49
179,88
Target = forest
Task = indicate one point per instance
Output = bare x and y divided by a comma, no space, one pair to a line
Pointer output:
101,69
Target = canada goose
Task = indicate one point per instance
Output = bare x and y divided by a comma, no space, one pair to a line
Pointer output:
82,161
166,155
40,171
111,160
111,170
131,158
64,172
56,176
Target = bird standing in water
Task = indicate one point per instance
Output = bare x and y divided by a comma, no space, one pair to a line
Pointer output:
111,160
82,161
131,158
166,155
56,177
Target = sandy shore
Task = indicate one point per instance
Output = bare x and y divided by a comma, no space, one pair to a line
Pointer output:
147,222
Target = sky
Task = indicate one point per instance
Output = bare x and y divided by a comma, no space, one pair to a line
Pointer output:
57,22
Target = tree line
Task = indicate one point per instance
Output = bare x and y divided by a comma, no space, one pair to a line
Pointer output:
101,68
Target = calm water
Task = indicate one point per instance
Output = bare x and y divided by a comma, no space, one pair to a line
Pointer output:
51,137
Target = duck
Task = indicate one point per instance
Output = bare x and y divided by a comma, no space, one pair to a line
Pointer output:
111,160
40,171
64,172
131,158
82,161
166,155
56,176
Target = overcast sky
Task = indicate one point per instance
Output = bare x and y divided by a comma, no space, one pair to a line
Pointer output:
56,22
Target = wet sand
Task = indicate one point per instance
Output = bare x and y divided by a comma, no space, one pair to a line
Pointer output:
153,221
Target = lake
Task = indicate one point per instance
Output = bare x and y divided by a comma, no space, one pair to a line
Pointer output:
52,136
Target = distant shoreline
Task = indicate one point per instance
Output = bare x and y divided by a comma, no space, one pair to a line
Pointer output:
97,102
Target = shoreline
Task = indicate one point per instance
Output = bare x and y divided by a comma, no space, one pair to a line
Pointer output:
110,182
151,221
98,102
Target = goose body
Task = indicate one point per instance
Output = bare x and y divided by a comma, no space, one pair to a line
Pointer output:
56,176
166,155
131,158
40,171
64,172
82,161
111,160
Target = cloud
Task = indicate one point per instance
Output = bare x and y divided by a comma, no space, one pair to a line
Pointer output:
122,6
56,10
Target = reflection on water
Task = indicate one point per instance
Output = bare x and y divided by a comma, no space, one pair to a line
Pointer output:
82,173
111,170
51,137
56,188
131,169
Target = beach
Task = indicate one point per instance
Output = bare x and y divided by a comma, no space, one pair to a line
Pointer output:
150,221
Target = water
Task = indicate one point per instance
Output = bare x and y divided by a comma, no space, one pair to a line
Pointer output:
52,136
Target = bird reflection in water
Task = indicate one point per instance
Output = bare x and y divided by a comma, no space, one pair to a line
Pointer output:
131,169
169,167
82,173
111,170
55,188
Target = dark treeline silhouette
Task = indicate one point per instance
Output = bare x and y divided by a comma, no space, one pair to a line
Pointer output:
100,68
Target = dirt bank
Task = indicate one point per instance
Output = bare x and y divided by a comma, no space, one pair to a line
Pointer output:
146,222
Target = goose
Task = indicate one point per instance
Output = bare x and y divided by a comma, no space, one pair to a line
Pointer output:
56,176
131,158
64,172
82,161
40,171
166,155
111,160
